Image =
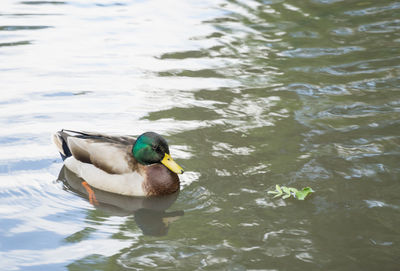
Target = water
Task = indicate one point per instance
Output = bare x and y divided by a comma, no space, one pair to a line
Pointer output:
249,94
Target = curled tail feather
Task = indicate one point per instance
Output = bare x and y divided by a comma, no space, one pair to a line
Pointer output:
60,140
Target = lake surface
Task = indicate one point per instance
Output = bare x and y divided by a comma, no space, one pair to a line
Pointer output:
249,94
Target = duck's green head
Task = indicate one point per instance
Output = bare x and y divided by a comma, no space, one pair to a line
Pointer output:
151,148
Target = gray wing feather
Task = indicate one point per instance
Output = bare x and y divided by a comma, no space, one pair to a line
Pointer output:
109,153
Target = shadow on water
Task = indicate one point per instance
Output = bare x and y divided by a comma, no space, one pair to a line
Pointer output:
150,213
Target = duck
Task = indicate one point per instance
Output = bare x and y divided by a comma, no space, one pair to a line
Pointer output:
122,165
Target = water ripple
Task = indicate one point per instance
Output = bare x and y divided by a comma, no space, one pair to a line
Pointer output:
318,52
381,27
373,10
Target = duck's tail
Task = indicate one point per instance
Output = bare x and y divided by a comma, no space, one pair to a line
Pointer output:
60,140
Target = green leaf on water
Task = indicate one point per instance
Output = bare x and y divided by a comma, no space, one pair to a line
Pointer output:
302,194
277,193
276,196
285,192
286,196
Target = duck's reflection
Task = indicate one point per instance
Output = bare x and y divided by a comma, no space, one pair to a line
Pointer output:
149,212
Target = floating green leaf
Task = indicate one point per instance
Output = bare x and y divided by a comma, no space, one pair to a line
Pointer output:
277,193
302,194
286,192
286,196
278,188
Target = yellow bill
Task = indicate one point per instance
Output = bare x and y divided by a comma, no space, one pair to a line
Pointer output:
169,220
171,164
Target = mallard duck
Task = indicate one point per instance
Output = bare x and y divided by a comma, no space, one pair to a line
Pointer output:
120,164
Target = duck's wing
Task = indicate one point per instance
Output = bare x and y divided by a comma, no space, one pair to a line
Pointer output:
112,154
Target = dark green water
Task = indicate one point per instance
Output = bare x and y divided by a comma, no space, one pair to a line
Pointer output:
249,94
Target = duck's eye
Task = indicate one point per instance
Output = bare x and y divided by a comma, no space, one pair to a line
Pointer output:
154,147
157,149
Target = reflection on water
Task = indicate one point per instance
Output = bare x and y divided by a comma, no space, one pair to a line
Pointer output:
150,213
249,94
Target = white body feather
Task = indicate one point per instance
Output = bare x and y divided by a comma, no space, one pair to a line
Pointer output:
130,184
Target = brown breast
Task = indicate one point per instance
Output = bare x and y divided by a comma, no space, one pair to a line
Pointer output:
159,180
